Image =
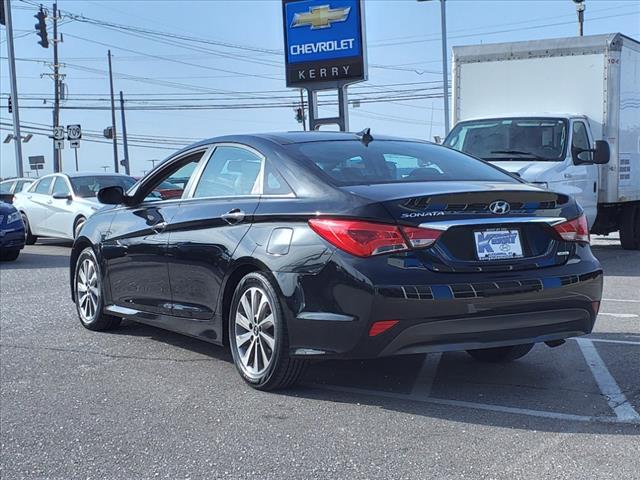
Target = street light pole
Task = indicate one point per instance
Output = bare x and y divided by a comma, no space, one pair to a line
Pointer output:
14,88
580,7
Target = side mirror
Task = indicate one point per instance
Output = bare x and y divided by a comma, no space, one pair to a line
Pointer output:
599,155
437,139
602,152
111,195
62,196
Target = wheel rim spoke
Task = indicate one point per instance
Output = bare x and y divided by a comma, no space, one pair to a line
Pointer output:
255,331
88,290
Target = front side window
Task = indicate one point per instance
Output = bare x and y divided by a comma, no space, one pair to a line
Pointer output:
88,187
580,141
60,187
388,161
230,172
511,138
43,186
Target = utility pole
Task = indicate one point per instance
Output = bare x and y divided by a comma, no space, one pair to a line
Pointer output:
14,88
127,165
57,154
113,117
445,57
304,125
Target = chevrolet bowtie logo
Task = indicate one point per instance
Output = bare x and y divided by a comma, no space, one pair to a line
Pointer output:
320,17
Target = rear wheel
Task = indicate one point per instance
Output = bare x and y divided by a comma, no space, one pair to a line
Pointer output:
29,238
630,227
9,254
258,336
89,294
501,354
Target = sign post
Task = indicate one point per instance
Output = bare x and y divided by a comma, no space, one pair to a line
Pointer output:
74,134
324,50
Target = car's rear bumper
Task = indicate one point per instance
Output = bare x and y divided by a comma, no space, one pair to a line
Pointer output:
11,239
330,314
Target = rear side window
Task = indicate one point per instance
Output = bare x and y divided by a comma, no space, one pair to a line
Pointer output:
230,172
388,161
5,187
43,186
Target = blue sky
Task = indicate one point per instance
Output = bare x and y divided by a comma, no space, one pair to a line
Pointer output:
243,53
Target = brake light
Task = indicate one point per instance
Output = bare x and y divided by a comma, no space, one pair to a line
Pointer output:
359,238
421,237
576,230
365,239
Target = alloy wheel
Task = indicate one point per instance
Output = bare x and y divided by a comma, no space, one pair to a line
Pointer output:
87,290
255,332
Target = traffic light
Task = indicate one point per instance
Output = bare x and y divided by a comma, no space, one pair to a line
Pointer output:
10,105
41,28
108,132
299,115
3,18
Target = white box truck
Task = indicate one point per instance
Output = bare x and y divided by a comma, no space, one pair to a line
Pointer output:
561,113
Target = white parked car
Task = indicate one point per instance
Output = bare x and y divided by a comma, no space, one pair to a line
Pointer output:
57,205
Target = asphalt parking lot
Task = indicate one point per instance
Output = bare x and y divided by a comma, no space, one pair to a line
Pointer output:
144,403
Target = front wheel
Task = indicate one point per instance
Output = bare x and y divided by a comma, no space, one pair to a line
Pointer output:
9,254
29,238
501,354
258,336
88,294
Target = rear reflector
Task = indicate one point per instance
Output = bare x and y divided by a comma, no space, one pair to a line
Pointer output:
380,327
365,239
576,230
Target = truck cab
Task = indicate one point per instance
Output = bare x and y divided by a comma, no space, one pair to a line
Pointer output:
553,151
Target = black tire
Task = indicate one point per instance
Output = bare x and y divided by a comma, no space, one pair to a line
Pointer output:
10,254
77,225
91,317
501,354
630,227
281,371
29,238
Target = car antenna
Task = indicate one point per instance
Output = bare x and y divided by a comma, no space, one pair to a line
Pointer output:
365,136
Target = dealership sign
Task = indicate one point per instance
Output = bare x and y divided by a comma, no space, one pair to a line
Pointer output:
324,42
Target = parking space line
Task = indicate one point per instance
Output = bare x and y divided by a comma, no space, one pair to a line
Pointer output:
620,315
426,375
605,340
620,300
607,384
480,406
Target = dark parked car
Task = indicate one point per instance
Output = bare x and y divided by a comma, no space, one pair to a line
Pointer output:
11,232
297,246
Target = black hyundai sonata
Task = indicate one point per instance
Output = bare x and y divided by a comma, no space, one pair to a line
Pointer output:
296,246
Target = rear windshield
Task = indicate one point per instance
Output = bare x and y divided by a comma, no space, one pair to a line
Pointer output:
87,187
389,161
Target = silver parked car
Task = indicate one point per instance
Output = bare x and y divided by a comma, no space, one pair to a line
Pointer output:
57,205
11,186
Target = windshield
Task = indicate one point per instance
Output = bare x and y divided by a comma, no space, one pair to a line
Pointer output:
511,138
387,161
87,187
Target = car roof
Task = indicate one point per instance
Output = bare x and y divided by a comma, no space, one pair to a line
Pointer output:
19,179
287,138
85,174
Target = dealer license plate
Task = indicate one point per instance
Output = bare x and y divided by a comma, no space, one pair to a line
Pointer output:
498,244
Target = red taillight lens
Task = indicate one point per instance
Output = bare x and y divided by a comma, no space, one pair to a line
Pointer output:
576,230
380,327
359,238
421,237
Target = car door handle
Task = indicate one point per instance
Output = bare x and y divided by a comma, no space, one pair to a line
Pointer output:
159,227
233,216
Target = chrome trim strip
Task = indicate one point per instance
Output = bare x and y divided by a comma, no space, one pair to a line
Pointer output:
119,310
332,317
447,224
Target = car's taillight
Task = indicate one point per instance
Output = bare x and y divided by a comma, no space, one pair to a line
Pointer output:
421,237
365,239
576,230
